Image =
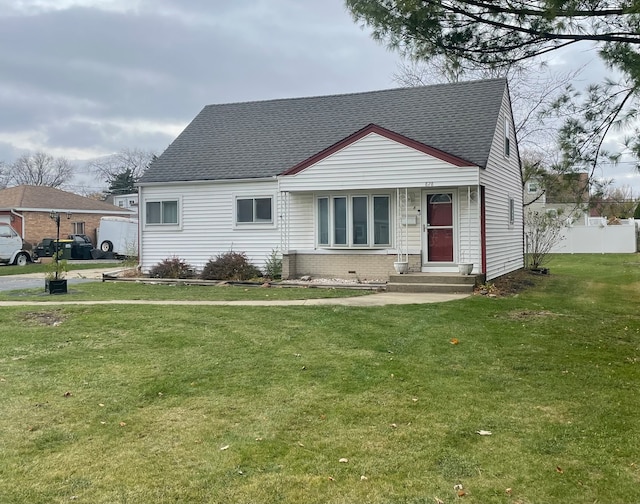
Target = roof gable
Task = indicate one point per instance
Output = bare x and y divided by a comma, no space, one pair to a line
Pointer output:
268,138
390,135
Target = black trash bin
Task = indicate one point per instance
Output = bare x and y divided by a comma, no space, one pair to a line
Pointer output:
64,249
81,247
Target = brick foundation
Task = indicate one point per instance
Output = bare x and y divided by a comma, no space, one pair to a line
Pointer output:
365,267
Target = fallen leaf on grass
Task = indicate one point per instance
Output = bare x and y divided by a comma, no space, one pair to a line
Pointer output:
484,432
454,341
457,487
461,493
363,478
225,447
343,460
68,394
122,424
439,501
331,479
508,491
559,470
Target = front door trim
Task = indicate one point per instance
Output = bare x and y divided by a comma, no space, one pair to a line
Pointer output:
427,264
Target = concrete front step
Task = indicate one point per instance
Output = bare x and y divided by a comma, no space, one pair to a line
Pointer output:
432,282
435,288
442,278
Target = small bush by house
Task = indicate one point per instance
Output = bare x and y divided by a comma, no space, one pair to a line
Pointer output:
230,266
172,267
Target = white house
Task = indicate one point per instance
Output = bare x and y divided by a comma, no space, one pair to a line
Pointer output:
344,185
127,201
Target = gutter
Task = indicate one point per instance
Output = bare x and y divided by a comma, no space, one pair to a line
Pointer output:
203,182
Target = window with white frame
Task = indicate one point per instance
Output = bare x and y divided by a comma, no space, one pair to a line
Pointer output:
78,227
353,220
163,212
507,137
532,187
254,210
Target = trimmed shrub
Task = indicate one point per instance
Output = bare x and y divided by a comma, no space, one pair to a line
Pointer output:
230,266
172,267
636,214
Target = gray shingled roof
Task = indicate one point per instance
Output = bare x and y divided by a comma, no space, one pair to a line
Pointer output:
47,198
266,138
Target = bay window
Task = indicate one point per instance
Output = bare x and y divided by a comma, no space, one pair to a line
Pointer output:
357,220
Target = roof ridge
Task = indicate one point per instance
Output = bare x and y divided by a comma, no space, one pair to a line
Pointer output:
358,93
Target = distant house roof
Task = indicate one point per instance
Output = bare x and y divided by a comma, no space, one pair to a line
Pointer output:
26,197
267,138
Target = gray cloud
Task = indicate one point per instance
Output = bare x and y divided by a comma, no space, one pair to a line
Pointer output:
81,78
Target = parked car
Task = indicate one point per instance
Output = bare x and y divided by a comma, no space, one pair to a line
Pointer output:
13,249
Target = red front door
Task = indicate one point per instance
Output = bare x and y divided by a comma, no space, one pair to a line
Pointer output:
439,227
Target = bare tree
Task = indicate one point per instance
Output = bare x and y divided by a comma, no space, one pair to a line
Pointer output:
3,175
615,202
39,169
543,232
134,160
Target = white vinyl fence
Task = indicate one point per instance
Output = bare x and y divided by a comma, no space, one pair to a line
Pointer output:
598,237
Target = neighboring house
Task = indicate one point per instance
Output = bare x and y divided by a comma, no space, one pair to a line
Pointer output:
28,209
126,201
344,186
565,195
568,198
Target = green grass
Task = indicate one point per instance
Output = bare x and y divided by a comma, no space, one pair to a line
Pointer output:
140,404
99,291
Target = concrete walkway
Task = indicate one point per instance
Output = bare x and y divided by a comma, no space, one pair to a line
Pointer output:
377,299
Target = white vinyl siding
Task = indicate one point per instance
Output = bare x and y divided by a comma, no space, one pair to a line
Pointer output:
469,237
502,179
207,216
375,162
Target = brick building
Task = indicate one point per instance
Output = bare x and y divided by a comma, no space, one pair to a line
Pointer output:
28,209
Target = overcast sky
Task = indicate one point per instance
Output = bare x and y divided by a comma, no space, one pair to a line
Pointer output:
87,78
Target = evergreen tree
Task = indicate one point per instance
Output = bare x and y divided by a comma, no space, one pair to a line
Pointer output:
122,183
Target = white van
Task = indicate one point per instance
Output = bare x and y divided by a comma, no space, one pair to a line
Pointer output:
12,249
118,235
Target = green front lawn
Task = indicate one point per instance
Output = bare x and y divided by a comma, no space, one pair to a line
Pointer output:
99,291
159,404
